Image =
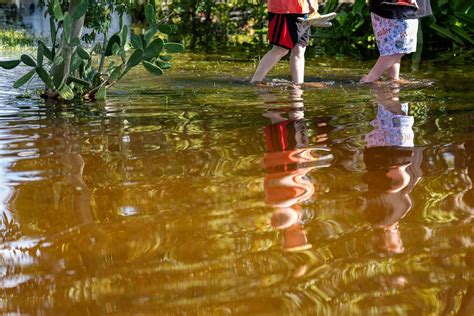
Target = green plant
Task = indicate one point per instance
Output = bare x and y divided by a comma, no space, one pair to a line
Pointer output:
70,70
351,31
452,23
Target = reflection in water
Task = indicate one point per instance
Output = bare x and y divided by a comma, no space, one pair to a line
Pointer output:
288,160
155,203
393,168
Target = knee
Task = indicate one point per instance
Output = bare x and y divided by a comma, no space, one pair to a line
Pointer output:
298,52
280,51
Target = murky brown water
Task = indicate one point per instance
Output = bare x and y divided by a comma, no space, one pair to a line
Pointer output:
195,193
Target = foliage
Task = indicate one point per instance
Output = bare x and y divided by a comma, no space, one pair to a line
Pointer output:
70,70
451,26
12,38
242,25
217,25
351,31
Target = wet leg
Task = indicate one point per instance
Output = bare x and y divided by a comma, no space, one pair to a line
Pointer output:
297,63
383,63
268,62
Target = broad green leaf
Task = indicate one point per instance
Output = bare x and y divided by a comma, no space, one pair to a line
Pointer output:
52,26
446,33
67,27
57,10
24,79
44,76
9,64
39,55
46,51
135,58
136,42
174,47
76,63
163,64
124,35
462,33
101,94
147,37
153,69
28,60
465,18
80,81
83,53
150,14
66,92
166,57
115,75
154,49
115,39
80,10
165,28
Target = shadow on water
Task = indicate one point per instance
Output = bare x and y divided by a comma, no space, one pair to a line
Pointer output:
198,193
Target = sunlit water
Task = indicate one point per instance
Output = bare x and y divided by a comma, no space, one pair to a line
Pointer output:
197,193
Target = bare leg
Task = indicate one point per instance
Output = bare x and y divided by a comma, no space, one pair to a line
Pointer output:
297,64
394,71
268,62
382,64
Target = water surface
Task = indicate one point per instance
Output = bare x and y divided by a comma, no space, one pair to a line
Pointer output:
197,193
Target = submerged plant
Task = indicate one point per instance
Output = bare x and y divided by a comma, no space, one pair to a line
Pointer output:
69,70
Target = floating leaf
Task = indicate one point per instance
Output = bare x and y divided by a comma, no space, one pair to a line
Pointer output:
80,10
135,59
83,53
28,60
24,79
9,64
153,69
174,47
66,92
43,74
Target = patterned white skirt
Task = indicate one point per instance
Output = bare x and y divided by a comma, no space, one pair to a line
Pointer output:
395,36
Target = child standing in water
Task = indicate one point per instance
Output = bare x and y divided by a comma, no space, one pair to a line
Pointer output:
395,24
289,32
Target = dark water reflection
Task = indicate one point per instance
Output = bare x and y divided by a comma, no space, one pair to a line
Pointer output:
195,193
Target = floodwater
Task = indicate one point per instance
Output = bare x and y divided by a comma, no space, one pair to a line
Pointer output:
194,193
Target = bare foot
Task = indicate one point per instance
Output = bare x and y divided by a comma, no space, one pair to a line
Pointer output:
368,79
258,83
